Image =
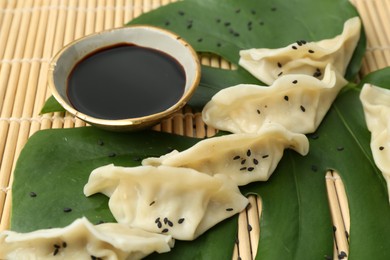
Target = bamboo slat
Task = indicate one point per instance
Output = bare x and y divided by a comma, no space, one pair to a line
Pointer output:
32,31
376,17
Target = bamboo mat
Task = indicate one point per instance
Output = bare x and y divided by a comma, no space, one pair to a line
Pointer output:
32,31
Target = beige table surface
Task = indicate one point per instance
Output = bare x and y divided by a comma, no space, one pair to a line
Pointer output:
32,31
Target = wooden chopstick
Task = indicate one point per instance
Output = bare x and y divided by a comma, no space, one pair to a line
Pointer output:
337,217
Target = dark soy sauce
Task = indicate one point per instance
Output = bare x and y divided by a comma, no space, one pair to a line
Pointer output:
125,81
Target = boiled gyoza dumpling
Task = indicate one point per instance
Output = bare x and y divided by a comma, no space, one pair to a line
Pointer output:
298,102
376,105
82,240
303,57
180,202
244,158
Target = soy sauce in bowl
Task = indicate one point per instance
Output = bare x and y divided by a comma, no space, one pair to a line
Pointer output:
125,81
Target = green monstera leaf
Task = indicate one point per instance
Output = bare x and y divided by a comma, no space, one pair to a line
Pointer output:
296,221
226,27
55,165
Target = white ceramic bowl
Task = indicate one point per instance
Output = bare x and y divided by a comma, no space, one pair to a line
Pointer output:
144,36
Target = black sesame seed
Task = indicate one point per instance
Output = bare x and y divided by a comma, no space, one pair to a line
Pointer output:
56,246
236,34
342,255
165,220
261,23
243,161
227,23
159,225
248,153
56,251
180,221
273,9
64,244
167,23
294,47
265,156
151,203
303,41
310,51
250,169
67,210
157,220
229,209
236,157
280,74
381,148
299,43
295,82
249,228
249,23
112,154
165,230
100,142
286,98
243,169
238,11
170,223
317,73
340,148
314,168
258,111
33,194
218,20
181,13
218,44
303,108
189,26
200,39
255,161
253,12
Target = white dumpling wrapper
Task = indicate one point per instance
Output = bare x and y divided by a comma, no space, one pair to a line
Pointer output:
376,105
82,240
309,58
297,102
181,202
244,158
